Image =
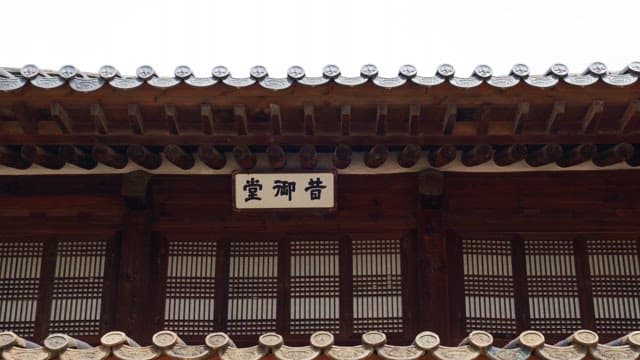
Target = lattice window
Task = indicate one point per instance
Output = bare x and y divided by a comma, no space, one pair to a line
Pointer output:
315,286
552,286
377,286
489,286
190,291
614,266
253,287
76,305
20,268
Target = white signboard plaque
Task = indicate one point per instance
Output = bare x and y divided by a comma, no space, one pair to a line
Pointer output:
299,190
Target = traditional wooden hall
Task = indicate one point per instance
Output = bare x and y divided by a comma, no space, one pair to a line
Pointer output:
337,217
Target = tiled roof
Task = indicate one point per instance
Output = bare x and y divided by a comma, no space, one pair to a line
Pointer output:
426,344
597,72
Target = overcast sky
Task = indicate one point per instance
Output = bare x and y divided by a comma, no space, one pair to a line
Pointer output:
278,34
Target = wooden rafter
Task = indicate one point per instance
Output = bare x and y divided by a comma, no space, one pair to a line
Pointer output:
240,116
171,115
99,119
382,115
208,121
591,118
345,120
135,118
59,114
626,120
522,111
276,119
25,118
450,114
557,111
483,120
309,119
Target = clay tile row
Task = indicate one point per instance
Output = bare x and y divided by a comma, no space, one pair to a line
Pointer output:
14,79
167,343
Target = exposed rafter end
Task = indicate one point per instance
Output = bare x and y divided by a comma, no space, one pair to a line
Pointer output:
41,156
11,158
479,154
109,156
277,157
135,118
171,115
77,157
613,155
244,157
144,157
545,155
213,158
59,114
409,155
577,155
510,155
442,155
179,157
556,114
99,119
342,156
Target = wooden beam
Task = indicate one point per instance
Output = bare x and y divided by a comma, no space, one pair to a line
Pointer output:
522,111
240,115
60,116
277,157
577,155
376,156
414,119
342,156
12,158
409,155
483,120
135,189
77,157
179,157
108,156
171,115
382,115
208,121
25,118
309,119
442,155
211,156
449,119
545,155
276,119
591,118
628,115
345,120
431,182
135,118
308,157
144,157
41,156
510,155
244,157
556,114
613,155
99,119
477,155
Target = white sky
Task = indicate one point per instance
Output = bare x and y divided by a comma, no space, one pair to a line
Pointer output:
277,34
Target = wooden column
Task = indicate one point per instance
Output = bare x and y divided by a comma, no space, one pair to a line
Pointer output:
134,288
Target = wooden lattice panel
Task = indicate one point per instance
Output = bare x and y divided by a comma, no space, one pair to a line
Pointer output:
552,286
20,267
253,287
315,286
76,304
614,267
377,286
190,289
489,286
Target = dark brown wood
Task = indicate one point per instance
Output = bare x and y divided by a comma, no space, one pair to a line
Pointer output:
584,283
12,158
381,119
208,120
284,285
442,155
179,157
41,156
99,119
77,157
213,158
171,116
376,156
431,182
629,114
483,120
545,155
577,155
477,155
309,119
635,159
518,266
45,293
135,118
276,119
25,118
510,155
613,155
409,155
450,115
60,116
345,120
108,156
342,156
277,157
244,157
346,287
557,111
240,116
522,111
591,119
144,157
308,157
414,119
135,190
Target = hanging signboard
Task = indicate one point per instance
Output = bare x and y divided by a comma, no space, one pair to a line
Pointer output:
297,190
